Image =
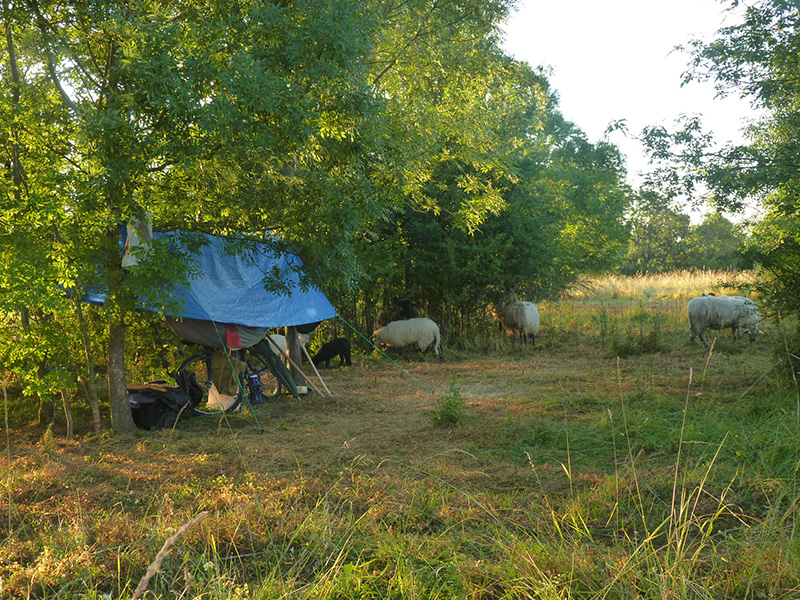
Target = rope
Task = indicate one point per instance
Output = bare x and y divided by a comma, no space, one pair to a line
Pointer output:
384,353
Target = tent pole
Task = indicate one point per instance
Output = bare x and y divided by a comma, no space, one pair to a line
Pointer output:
299,370
313,366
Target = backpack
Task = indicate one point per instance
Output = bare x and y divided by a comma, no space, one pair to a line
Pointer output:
157,406
188,384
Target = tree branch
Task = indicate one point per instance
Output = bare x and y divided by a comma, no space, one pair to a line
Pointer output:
19,176
41,22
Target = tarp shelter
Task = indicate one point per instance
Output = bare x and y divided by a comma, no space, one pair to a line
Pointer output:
226,303
230,290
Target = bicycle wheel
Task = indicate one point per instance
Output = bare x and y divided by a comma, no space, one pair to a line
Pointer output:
212,402
256,365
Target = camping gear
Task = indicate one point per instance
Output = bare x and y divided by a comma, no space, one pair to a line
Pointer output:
230,288
255,385
276,366
227,298
158,405
225,305
215,335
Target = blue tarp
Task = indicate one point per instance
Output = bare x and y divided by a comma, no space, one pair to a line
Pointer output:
230,289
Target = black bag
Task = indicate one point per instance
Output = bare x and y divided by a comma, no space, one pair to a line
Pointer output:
187,382
154,408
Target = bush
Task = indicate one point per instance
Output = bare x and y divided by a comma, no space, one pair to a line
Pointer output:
450,410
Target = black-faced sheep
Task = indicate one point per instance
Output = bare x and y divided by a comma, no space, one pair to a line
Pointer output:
519,316
399,310
421,332
720,312
339,347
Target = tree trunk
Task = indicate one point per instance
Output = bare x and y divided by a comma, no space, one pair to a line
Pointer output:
47,411
296,354
121,416
91,385
68,415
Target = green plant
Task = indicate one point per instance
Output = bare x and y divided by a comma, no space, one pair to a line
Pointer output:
450,410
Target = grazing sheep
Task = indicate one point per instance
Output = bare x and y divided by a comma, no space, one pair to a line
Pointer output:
400,310
280,340
720,312
420,331
519,316
339,347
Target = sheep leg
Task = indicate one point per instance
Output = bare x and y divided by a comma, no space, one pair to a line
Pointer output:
702,337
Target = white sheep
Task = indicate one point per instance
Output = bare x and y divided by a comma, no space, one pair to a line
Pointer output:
519,316
280,341
420,331
720,312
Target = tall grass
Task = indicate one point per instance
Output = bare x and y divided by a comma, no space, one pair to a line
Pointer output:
612,461
675,285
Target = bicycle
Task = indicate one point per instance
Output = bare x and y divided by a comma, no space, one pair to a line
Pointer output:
257,377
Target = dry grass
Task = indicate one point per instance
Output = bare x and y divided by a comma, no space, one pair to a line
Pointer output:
576,471
677,285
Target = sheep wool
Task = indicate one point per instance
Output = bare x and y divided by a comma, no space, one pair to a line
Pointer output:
720,312
420,331
520,316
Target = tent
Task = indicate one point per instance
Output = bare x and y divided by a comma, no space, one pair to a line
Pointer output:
226,305
229,290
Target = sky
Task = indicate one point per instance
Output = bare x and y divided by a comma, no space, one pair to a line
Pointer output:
614,59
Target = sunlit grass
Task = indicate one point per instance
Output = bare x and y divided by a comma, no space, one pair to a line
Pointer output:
676,285
612,460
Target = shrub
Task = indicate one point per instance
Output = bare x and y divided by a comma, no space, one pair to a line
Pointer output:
450,410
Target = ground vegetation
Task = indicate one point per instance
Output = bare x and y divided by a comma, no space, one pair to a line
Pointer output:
613,460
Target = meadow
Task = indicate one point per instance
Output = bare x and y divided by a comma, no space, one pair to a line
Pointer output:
612,460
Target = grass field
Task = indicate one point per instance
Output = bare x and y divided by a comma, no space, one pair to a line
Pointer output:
613,460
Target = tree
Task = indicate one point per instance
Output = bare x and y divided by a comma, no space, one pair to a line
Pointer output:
559,213
214,116
758,58
716,243
448,89
659,235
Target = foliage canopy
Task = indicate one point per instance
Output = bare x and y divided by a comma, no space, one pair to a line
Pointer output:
758,58
392,144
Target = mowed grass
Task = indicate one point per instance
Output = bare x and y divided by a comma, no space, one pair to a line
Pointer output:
613,460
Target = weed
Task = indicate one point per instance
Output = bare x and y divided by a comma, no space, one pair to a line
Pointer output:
450,410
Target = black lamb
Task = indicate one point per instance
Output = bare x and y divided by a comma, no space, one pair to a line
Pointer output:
339,347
